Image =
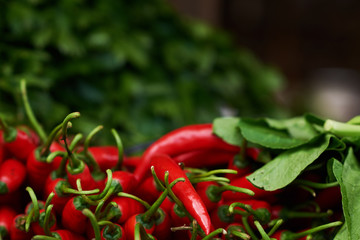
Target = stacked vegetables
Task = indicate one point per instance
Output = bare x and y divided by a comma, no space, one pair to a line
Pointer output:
236,178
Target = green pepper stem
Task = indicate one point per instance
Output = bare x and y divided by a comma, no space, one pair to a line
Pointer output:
214,233
248,229
34,202
261,231
128,195
47,220
194,230
93,222
30,114
158,183
293,214
29,219
241,235
309,190
216,171
195,180
155,206
73,161
107,189
342,129
315,229
48,200
315,184
120,149
224,188
276,226
89,157
43,237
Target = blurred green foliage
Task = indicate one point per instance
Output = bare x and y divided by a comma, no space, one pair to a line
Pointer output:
136,66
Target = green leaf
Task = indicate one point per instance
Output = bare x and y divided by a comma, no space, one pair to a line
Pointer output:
277,134
342,234
285,167
227,129
348,176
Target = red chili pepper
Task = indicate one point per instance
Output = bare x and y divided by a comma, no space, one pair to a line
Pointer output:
162,225
183,190
181,140
16,139
126,207
72,217
38,227
7,215
204,158
235,231
210,192
131,162
243,182
131,223
221,217
17,230
125,180
178,216
148,191
65,234
106,157
54,147
12,176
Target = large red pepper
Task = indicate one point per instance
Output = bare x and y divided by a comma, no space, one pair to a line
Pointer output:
204,158
7,215
181,140
183,190
12,176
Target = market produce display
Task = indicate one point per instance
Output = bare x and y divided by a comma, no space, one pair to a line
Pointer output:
234,178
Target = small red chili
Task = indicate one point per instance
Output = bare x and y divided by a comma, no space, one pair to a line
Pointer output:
7,215
17,230
125,208
148,190
12,176
181,140
72,217
105,156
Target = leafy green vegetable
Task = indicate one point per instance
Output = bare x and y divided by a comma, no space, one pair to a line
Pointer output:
348,176
288,165
227,128
277,134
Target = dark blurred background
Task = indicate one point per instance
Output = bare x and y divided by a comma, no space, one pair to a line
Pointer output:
315,44
147,67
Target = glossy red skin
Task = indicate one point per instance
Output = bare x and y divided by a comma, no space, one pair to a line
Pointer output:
147,190
204,158
59,199
123,237
181,140
128,207
38,170
244,183
87,180
167,204
21,147
13,174
131,161
38,229
106,156
72,218
16,233
129,227
126,179
201,188
68,235
183,190
7,215
162,229
54,147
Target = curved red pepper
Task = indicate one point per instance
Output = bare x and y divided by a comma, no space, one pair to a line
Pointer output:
183,190
204,158
181,140
12,176
17,230
72,217
7,215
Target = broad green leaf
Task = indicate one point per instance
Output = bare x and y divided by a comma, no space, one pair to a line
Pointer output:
227,128
285,167
348,176
277,134
342,234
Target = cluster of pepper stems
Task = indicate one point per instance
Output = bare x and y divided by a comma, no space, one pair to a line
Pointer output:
188,184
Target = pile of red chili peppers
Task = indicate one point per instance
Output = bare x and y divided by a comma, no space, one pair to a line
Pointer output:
189,184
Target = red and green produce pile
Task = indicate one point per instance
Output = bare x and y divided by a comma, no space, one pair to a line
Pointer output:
235,178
